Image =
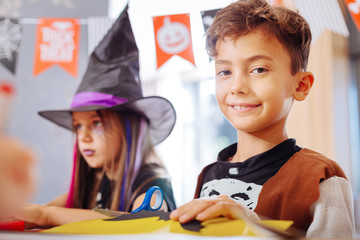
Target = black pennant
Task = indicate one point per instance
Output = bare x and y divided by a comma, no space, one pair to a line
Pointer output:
208,17
11,34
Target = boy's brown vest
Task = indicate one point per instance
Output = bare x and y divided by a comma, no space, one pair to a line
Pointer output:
289,194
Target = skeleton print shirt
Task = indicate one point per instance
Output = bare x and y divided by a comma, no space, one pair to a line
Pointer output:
243,181
268,184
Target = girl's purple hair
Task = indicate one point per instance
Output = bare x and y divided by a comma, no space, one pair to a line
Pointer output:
128,140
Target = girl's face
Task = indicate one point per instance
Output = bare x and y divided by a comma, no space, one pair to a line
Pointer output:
97,147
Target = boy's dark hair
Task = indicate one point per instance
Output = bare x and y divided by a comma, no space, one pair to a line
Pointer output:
245,16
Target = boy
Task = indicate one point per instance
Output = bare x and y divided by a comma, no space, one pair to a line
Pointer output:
260,54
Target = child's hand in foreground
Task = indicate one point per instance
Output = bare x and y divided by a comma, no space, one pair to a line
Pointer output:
34,215
16,176
203,209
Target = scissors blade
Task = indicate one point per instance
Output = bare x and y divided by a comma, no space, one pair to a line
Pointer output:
108,213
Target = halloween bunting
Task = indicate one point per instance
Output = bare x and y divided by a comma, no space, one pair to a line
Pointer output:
57,40
57,43
276,2
208,17
354,10
11,35
173,37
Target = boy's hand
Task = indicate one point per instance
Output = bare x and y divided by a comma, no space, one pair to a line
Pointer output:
203,209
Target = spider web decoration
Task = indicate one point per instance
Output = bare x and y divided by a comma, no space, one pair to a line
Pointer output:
10,38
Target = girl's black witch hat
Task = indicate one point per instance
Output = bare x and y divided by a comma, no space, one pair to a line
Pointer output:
111,81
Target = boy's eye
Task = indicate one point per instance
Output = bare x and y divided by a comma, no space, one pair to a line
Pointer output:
259,70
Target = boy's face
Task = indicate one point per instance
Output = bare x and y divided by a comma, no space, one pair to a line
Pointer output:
254,85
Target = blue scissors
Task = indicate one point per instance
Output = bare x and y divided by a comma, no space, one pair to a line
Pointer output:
146,204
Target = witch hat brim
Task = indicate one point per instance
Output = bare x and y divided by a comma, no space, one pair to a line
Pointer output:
157,110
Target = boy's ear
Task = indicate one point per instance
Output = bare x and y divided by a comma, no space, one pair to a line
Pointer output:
305,81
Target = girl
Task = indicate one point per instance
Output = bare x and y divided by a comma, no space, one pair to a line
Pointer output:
115,165
116,128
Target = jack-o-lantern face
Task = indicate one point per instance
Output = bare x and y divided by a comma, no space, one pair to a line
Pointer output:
173,37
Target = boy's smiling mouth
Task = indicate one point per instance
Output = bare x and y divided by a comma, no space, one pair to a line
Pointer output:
244,107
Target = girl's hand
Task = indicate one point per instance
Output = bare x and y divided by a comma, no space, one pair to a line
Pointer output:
45,216
203,209
34,215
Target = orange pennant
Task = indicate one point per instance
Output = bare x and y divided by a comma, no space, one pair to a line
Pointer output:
173,37
276,2
57,43
354,9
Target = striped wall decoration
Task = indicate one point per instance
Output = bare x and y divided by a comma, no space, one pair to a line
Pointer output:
97,28
321,15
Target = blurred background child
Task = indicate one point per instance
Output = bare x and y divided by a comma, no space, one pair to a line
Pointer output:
17,161
17,180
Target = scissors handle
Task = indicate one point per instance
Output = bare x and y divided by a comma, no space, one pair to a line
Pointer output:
146,204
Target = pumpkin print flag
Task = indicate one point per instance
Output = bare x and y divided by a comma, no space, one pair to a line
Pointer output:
173,37
57,43
354,10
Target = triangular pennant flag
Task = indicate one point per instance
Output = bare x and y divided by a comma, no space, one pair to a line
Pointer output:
208,17
57,43
290,4
354,10
11,35
173,37
276,2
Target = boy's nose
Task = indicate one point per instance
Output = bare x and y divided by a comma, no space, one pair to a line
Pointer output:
239,85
